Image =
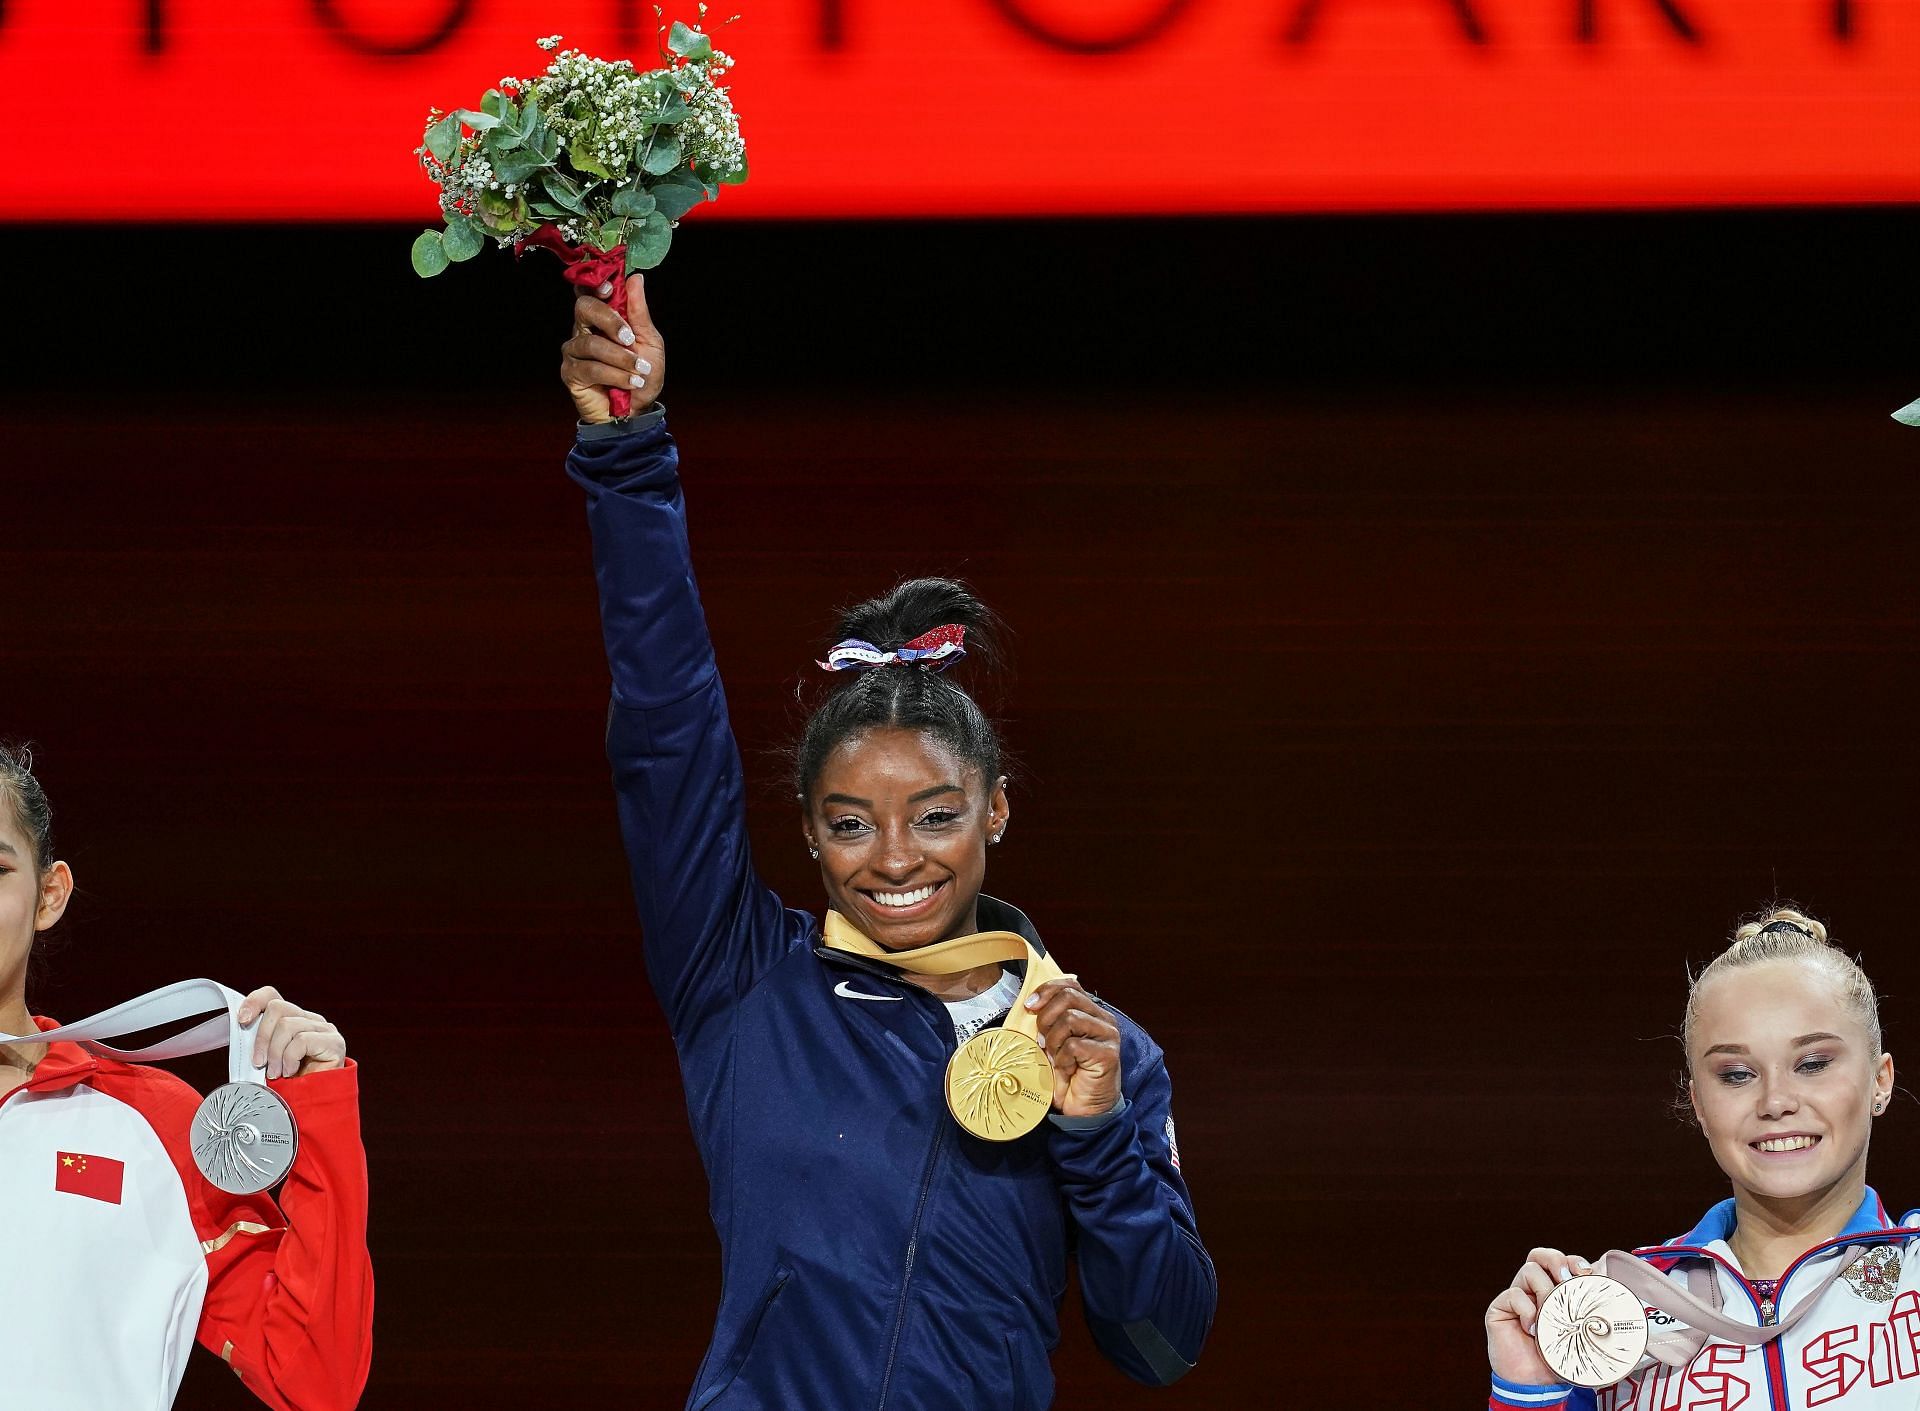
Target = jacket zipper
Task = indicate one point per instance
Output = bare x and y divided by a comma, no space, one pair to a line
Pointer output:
913,1249
1768,1308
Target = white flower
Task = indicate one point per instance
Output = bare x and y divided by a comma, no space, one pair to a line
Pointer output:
550,43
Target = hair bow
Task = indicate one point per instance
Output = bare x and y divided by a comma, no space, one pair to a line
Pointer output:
935,650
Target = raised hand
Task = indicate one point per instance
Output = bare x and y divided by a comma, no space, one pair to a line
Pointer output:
609,351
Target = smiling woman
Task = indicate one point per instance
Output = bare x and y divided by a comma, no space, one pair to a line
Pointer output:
1785,1077
876,1253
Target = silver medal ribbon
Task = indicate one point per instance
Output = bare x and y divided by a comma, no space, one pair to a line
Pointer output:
243,1138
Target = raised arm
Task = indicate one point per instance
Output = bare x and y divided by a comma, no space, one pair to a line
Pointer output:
710,928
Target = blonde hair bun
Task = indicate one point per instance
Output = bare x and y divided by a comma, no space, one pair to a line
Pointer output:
1782,919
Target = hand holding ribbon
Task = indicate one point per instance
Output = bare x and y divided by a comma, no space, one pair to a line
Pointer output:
1081,1038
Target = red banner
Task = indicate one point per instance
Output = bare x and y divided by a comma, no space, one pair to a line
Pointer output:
294,109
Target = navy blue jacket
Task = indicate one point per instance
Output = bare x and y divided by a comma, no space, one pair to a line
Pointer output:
874,1255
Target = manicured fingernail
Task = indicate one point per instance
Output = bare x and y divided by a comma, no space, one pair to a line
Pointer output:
1042,1038
606,289
638,381
1565,1273
1530,1328
626,336
642,366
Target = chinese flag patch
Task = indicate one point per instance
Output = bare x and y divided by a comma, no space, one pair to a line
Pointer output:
95,1177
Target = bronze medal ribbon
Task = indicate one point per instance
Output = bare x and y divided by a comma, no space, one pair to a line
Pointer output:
1000,1082
1591,1330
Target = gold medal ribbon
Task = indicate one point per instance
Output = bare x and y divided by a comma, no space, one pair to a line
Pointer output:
1000,1082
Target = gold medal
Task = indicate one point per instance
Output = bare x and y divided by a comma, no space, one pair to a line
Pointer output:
1000,1083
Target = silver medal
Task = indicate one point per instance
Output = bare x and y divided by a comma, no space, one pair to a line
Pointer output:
244,1138
1592,1330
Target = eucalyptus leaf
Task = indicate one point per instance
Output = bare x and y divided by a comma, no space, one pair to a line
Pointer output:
1909,415
479,122
674,109
548,211
495,103
688,42
676,194
429,254
611,234
632,201
498,212
583,158
463,240
563,191
501,140
661,154
647,242
443,137
516,167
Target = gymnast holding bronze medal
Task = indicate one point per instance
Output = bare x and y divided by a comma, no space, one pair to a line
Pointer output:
910,1116
1797,1292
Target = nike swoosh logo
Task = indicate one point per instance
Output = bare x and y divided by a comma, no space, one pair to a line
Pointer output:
845,993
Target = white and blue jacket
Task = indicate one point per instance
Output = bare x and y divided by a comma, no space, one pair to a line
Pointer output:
875,1256
1858,1349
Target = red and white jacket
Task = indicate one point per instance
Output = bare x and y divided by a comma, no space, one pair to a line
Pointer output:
135,1255
1858,1349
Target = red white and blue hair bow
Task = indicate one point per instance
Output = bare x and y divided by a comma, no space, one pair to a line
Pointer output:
931,651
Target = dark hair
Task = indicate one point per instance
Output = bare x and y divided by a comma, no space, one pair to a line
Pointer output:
21,793
907,697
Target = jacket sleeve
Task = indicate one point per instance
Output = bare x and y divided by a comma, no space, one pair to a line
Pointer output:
710,927
1550,1396
1146,1281
289,1300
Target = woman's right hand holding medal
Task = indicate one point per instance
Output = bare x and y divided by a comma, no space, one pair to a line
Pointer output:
608,351
1511,1349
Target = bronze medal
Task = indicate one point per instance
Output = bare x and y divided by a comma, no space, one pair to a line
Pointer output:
1592,1330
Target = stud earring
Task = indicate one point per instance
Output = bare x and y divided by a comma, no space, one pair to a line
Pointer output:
994,839
1879,1106
812,851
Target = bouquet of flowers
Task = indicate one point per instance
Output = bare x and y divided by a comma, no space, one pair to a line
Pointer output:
593,160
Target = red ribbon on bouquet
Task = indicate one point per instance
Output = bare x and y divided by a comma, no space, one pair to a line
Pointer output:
589,268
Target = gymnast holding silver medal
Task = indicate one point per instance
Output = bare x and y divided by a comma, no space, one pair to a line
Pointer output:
1799,1291
138,1212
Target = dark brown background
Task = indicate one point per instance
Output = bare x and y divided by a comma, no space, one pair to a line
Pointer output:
1433,634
